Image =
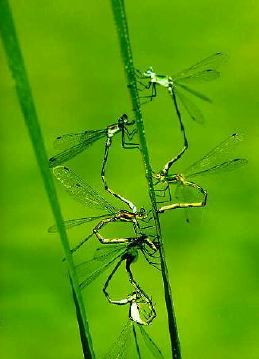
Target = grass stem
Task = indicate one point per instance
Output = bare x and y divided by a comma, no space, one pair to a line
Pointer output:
127,57
25,98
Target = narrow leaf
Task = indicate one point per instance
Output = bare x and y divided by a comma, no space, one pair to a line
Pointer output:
25,98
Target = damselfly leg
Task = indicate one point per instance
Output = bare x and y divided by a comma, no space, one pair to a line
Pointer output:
188,205
150,97
215,161
104,240
164,193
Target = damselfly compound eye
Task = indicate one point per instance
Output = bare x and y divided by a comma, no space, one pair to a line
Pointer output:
124,118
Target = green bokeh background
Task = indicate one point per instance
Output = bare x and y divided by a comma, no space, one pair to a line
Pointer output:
73,60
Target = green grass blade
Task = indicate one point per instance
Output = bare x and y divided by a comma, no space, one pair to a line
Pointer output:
25,98
127,57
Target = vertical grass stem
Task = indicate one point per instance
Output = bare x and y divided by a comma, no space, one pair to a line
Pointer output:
127,57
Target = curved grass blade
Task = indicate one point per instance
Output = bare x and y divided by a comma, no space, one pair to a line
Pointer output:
25,98
214,157
73,144
80,190
202,70
70,223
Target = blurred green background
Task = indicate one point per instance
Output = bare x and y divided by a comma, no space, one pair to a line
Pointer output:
73,60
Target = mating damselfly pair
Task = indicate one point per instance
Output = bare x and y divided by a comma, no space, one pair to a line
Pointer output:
125,249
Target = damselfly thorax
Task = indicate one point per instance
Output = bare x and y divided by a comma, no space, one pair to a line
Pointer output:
156,79
112,130
164,177
127,216
119,125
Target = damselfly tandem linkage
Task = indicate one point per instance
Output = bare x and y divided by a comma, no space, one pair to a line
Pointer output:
84,193
104,257
141,308
137,297
203,71
213,162
72,144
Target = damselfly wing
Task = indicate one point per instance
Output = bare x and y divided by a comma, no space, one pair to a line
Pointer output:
71,144
124,345
81,191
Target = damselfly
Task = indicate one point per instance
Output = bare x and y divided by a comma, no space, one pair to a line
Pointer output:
84,193
135,338
106,256
138,300
71,144
141,309
213,162
203,71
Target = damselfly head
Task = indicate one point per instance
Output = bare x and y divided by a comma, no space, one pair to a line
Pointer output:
149,72
142,213
123,119
160,176
156,244
137,295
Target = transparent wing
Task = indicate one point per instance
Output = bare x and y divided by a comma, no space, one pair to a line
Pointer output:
200,76
222,167
196,93
89,270
187,194
80,190
150,344
121,346
70,223
105,251
215,157
192,110
72,144
68,140
204,70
